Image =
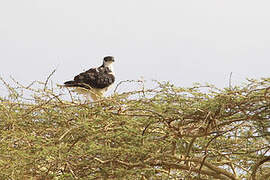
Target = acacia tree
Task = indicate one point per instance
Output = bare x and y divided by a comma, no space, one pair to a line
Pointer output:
167,132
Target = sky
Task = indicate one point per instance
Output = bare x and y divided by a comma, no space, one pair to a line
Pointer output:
181,41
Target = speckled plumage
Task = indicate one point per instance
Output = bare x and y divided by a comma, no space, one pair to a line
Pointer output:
96,80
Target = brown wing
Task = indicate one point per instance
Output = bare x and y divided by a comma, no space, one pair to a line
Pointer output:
92,78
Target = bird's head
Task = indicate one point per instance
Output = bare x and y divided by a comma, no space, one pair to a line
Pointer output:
108,60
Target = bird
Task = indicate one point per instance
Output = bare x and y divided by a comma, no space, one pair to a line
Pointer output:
95,81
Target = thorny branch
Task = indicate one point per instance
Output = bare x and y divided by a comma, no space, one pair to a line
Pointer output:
186,133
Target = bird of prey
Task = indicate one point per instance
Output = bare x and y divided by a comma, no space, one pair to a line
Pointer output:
95,81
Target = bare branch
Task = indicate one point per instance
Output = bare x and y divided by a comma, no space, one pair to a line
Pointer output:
257,165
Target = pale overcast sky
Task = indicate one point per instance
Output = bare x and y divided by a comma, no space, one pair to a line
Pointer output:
182,41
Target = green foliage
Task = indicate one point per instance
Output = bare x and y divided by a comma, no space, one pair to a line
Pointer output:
168,132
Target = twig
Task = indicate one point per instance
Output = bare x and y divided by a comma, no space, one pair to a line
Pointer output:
256,166
46,82
230,81
129,81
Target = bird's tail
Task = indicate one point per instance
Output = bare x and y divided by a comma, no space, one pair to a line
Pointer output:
70,84
76,84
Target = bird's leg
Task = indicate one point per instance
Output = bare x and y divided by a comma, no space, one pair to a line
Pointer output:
95,95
